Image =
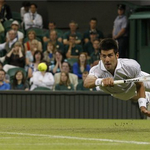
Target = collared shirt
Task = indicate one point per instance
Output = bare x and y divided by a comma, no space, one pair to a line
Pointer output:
120,23
38,80
10,43
5,86
126,69
30,22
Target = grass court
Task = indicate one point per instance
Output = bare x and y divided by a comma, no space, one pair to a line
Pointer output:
74,134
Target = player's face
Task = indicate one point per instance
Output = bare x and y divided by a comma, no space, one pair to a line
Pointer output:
109,59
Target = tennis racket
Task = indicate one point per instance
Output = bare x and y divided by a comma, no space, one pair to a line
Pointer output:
139,79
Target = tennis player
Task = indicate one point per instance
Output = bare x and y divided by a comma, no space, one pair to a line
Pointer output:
111,68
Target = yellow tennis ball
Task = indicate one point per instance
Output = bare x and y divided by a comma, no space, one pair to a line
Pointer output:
42,67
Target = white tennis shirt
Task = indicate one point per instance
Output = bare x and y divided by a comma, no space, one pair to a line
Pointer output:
126,69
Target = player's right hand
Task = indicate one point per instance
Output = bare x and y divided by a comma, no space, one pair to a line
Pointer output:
108,82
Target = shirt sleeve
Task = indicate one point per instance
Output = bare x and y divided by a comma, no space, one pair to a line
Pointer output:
124,23
94,71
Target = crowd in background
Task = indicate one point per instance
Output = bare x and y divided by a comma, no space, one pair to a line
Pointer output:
24,44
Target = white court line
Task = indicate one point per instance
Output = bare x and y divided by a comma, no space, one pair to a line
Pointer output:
61,144
76,138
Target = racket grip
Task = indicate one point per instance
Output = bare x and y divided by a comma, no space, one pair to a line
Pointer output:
119,82
116,82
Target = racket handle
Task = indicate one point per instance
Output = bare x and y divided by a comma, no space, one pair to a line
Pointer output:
116,82
119,82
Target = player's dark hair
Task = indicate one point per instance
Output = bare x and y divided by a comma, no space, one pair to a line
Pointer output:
108,44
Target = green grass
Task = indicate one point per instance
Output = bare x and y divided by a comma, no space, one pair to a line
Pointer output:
71,134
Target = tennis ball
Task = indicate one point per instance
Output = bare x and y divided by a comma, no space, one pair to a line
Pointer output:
42,67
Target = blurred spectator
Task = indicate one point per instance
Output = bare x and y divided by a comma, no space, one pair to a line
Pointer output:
33,19
19,82
64,83
80,86
119,32
88,47
81,66
30,53
42,79
7,78
50,52
32,36
55,67
1,31
66,67
5,12
73,30
15,26
54,39
51,27
92,28
12,39
96,53
25,8
15,58
33,67
3,84
72,50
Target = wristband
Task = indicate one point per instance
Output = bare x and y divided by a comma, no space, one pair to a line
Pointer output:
142,102
98,82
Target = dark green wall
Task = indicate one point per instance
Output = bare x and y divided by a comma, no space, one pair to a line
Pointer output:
38,104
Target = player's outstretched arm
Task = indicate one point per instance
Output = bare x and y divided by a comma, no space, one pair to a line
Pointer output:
90,81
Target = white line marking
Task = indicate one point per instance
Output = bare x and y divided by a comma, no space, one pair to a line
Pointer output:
76,138
63,144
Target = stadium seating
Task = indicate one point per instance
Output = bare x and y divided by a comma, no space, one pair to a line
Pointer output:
7,25
2,37
71,61
3,53
16,16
